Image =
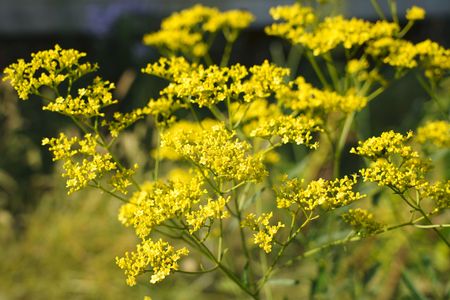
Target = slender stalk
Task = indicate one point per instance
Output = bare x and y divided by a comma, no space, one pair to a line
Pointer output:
424,215
332,70
393,8
350,239
341,143
224,269
378,9
406,29
280,253
230,38
98,186
243,239
313,62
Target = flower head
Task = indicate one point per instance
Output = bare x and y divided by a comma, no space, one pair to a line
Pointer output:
415,13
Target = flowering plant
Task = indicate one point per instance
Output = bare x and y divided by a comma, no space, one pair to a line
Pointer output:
222,131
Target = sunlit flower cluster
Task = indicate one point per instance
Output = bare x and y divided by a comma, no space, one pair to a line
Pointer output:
207,86
289,129
184,32
87,103
82,162
46,68
264,231
394,163
328,194
218,151
214,209
303,97
432,57
299,28
158,202
160,256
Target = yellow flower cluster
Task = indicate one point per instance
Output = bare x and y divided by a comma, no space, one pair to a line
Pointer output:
356,66
214,209
169,67
207,86
184,32
296,19
388,143
87,103
329,194
362,222
299,28
79,173
435,132
439,192
301,96
265,232
217,150
158,202
265,79
429,55
289,129
159,255
122,179
46,68
415,13
394,163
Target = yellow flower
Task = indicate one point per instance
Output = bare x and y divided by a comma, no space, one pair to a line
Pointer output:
88,102
158,202
289,129
184,32
214,209
415,13
301,96
436,132
217,150
159,255
46,68
394,163
329,194
299,29
439,192
362,221
264,231
356,66
82,162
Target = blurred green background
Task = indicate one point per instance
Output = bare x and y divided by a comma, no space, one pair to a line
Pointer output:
55,246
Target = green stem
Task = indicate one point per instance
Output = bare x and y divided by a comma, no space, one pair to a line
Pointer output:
157,158
341,143
280,253
98,186
312,60
243,240
378,9
224,269
406,29
393,8
332,70
424,215
230,37
375,93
